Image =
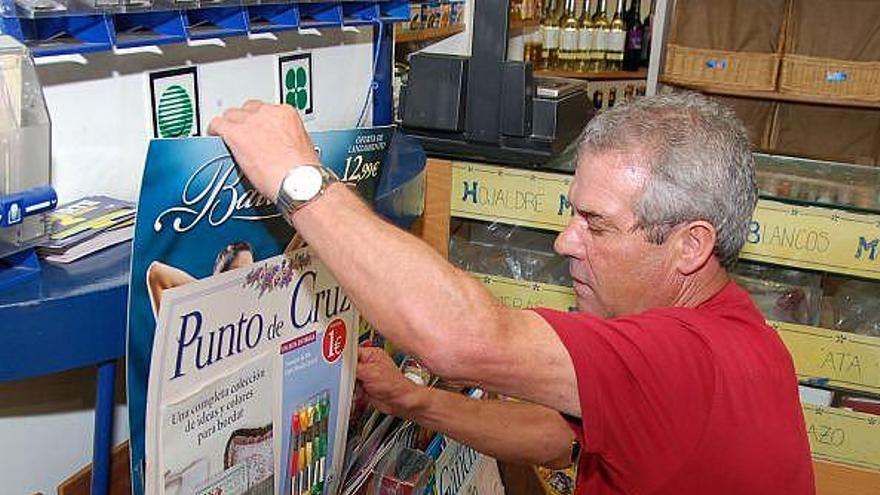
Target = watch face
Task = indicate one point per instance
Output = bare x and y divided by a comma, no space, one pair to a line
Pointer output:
303,183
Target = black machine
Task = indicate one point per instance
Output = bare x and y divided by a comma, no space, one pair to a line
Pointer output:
485,107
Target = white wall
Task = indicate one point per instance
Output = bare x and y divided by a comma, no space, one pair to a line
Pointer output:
100,111
46,427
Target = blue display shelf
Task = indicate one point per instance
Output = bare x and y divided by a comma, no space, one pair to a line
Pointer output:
269,18
64,32
356,13
217,22
153,28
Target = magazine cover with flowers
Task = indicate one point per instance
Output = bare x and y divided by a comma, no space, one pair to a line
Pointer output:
241,345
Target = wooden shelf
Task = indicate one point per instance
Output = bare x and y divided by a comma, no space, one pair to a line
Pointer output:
426,34
616,75
517,28
774,96
836,479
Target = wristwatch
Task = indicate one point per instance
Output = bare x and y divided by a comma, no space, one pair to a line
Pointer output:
301,185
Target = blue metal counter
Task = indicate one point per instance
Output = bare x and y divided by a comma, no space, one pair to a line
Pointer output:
71,316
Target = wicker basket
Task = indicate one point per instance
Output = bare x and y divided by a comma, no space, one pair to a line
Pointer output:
721,69
842,134
726,44
833,50
837,79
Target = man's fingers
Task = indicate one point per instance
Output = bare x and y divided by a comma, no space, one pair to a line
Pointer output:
216,127
236,115
362,353
368,354
252,106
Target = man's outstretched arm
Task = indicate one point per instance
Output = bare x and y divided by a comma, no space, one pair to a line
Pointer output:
421,303
514,432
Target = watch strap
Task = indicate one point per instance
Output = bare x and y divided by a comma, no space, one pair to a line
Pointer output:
287,205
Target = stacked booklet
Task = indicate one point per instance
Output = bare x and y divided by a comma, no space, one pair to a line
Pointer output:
85,226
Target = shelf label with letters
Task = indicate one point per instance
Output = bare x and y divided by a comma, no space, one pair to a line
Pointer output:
815,238
810,237
523,294
843,436
844,359
514,196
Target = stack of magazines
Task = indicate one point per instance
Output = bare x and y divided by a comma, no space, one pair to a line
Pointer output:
386,455
85,226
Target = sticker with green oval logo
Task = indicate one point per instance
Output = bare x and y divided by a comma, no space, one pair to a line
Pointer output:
175,103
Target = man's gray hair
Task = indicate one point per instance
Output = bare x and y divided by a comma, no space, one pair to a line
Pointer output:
700,160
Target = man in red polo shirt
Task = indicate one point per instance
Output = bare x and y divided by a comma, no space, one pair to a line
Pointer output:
667,376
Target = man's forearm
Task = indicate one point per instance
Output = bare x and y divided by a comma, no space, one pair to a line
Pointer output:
416,298
427,307
516,432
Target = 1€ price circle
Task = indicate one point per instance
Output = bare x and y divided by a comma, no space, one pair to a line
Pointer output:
334,341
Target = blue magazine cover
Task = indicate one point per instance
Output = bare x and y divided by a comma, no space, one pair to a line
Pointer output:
201,224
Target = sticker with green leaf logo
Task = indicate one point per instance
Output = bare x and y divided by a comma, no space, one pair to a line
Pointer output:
295,73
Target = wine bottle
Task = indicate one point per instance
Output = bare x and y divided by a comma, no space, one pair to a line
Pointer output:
585,38
568,37
550,37
646,40
515,11
532,48
601,28
616,39
634,36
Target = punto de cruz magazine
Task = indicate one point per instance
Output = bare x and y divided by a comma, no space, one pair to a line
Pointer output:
241,346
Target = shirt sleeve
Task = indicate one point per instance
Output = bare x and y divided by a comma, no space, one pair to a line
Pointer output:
646,385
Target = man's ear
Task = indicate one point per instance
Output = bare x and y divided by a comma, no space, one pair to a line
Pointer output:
694,246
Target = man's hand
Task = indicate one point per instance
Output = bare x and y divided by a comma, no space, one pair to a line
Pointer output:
266,141
385,386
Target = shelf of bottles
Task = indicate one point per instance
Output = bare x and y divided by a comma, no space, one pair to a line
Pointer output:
583,37
55,27
432,20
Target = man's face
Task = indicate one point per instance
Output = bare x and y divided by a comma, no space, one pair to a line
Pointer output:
615,270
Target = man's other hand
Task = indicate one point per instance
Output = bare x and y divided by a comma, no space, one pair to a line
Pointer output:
266,141
385,386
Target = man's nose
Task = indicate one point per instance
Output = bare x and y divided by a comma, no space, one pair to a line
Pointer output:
568,243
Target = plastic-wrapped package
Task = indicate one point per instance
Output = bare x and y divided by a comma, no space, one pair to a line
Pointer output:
782,294
857,308
507,251
403,471
865,405
815,396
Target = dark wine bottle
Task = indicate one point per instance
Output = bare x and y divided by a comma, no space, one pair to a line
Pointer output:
635,32
646,38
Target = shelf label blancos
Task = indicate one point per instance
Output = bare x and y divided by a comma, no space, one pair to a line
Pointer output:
843,436
522,294
846,360
512,196
815,238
